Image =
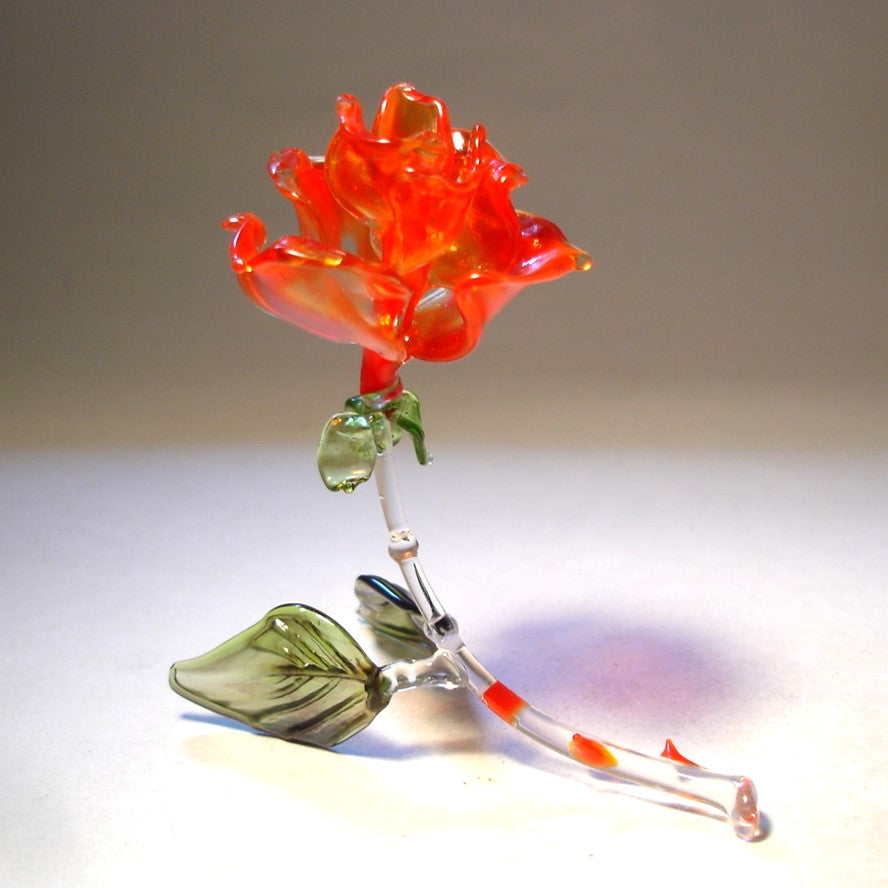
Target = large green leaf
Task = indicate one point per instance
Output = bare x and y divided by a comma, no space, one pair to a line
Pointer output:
296,674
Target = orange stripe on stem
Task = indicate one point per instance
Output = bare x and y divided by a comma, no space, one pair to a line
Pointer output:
591,752
503,702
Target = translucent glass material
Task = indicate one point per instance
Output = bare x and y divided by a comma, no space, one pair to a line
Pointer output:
733,797
408,244
390,611
348,448
296,674
352,440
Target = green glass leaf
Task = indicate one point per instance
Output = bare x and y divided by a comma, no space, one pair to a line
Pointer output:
347,452
406,415
403,413
389,610
296,674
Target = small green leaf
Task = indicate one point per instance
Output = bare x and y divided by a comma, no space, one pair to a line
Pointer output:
403,413
348,449
296,674
406,415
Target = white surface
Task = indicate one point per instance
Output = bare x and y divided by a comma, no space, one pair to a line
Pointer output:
733,601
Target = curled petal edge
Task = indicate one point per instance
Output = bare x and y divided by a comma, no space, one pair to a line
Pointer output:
543,255
322,290
298,178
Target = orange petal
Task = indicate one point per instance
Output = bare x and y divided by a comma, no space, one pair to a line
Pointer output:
428,214
544,253
405,112
302,182
321,217
442,327
411,142
490,237
448,321
323,290
353,162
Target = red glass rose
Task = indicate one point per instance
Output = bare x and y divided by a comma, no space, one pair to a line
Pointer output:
408,240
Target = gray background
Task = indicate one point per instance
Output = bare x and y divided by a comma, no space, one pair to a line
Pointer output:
724,163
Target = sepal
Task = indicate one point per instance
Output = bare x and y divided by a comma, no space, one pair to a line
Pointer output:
352,440
403,412
406,416
348,449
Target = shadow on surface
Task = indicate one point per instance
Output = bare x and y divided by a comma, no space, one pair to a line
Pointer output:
592,666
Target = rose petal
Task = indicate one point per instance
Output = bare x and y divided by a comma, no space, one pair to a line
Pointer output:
429,214
544,253
321,217
323,290
302,182
489,240
408,207
403,178
405,112
447,322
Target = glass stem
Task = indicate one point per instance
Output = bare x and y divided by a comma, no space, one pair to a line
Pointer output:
438,625
733,798
441,670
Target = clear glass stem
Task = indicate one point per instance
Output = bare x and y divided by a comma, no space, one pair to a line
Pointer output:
441,670
403,547
731,797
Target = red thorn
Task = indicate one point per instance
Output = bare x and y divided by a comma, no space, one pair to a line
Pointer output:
670,752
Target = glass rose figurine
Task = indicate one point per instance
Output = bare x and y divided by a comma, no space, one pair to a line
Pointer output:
408,245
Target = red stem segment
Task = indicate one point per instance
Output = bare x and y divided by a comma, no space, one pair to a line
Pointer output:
377,373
